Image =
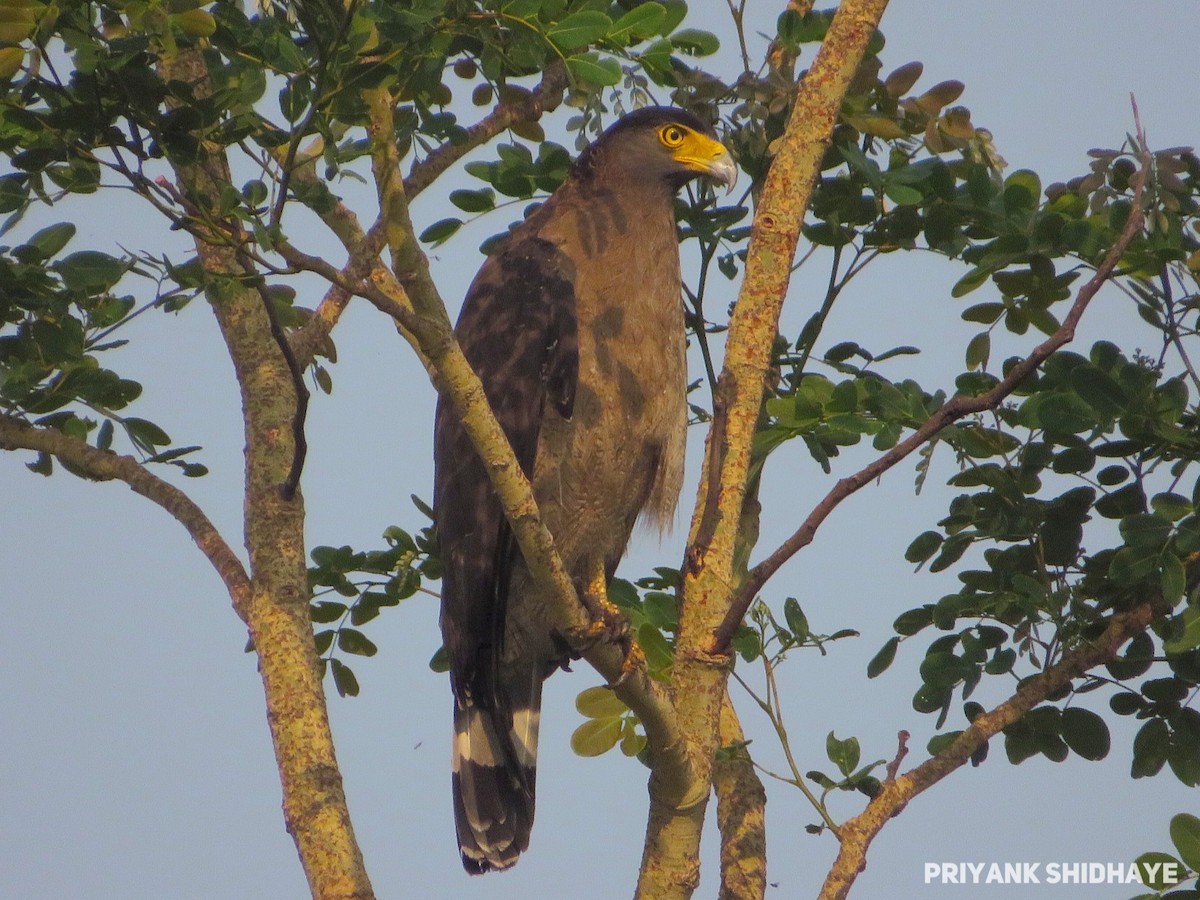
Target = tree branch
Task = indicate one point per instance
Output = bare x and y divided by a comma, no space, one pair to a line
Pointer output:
518,106
364,246
314,800
857,833
670,860
951,411
105,466
363,249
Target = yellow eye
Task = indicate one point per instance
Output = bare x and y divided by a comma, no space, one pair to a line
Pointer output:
671,135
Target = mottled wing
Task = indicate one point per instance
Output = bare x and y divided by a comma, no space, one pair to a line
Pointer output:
518,331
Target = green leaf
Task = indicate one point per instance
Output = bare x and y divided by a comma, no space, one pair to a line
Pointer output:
144,433
978,350
90,271
1110,476
640,22
905,350
843,754
940,742
941,670
1173,579
326,611
52,239
441,231
632,743
579,29
796,620
1189,638
1185,835
596,736
661,609
1159,871
1022,190
1099,389
590,67
1171,506
599,702
355,642
676,12
655,646
1126,501
821,778
1085,733
1150,747
970,281
323,640
695,42
343,678
924,545
902,194
747,643
883,659
483,200
440,661
914,620
983,313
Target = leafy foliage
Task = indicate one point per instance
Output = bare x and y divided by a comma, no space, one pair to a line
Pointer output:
350,588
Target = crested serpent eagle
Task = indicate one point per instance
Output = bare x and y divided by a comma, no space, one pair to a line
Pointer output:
575,327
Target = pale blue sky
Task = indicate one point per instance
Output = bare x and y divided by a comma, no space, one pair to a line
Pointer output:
134,755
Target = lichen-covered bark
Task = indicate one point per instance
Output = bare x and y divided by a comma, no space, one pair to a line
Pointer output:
670,862
314,802
741,816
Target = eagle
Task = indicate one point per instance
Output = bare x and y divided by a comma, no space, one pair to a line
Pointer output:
575,327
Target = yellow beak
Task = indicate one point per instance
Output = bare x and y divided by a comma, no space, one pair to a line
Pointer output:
702,154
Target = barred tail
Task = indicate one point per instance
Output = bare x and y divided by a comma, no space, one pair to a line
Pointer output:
494,765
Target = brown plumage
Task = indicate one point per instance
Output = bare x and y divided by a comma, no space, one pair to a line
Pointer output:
575,328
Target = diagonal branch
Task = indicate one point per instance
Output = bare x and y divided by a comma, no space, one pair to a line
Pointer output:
517,106
413,300
105,466
951,411
857,834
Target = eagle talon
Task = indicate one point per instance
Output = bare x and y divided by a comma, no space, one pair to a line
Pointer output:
633,658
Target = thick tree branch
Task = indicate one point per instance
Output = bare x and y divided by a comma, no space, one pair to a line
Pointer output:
951,411
314,801
857,834
517,106
670,861
105,466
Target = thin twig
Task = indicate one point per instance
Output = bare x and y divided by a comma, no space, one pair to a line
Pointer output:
544,98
